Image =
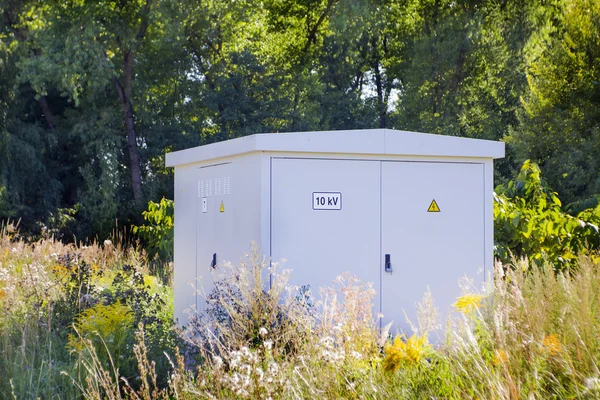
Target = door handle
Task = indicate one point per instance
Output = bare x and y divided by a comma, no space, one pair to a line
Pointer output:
213,263
388,263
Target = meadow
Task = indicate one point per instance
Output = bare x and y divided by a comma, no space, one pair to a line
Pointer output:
92,322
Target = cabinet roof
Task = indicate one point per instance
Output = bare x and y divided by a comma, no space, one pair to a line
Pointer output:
355,142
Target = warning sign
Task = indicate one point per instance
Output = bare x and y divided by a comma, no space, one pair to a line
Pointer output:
433,207
222,207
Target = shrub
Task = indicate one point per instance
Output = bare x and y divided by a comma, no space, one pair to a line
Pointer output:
46,287
158,233
529,222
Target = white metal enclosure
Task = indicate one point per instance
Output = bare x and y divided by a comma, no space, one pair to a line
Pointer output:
406,211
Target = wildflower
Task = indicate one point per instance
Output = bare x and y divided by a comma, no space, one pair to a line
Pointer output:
59,270
268,344
592,384
552,344
273,368
410,351
500,358
218,361
2,294
262,331
465,304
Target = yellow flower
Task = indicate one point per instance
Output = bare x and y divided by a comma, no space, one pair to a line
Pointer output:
552,344
2,294
402,350
60,270
500,358
112,322
467,303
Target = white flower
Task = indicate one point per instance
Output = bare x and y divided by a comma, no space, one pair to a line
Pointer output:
273,368
262,331
592,383
268,344
235,360
218,362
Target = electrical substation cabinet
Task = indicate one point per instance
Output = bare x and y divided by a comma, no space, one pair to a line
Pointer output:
405,211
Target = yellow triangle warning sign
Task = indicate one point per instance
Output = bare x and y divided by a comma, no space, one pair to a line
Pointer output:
222,207
433,207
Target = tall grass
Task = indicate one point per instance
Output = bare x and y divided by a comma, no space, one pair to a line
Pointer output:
44,288
534,335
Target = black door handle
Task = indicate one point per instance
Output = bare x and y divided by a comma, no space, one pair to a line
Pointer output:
388,263
213,263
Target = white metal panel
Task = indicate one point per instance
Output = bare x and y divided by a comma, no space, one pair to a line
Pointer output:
488,204
232,221
321,244
213,151
214,227
430,249
366,142
185,241
265,203
403,142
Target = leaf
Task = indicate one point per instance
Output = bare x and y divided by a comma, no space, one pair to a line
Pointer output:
516,217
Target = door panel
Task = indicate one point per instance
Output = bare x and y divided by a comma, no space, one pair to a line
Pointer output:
429,246
326,220
215,226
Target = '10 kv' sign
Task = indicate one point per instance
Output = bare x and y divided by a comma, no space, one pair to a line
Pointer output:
326,201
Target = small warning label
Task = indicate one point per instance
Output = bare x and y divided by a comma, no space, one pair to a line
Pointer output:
433,207
222,207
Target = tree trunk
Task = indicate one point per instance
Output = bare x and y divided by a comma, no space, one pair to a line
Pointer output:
43,102
125,95
311,38
134,157
379,85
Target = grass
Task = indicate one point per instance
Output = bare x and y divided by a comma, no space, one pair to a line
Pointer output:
91,322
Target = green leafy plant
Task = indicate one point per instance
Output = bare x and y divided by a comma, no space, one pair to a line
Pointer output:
110,330
158,232
529,222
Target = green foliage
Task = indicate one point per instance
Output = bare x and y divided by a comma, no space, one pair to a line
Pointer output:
534,336
104,308
158,233
561,108
529,222
108,328
55,298
197,72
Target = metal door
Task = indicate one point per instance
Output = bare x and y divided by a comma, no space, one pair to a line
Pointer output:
432,235
214,227
325,219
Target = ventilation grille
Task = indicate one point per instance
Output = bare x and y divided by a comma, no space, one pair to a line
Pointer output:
214,187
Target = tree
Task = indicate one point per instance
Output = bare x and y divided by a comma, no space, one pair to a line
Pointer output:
82,45
560,117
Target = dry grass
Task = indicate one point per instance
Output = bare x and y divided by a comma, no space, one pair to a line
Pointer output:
534,336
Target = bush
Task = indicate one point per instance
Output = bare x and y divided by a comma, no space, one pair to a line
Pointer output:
158,233
48,289
529,222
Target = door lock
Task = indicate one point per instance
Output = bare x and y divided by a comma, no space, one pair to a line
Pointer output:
388,263
213,263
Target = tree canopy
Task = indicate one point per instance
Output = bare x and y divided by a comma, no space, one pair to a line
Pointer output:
93,93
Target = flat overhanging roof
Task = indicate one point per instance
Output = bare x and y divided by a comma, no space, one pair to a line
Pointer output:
364,141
